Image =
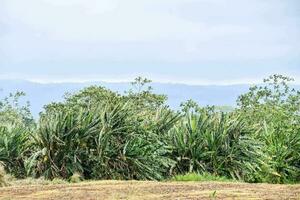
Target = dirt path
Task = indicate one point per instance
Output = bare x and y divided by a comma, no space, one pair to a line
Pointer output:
152,190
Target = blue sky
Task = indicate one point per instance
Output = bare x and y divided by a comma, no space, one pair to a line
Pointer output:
190,41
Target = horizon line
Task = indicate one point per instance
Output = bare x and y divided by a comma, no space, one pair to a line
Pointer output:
190,83
82,81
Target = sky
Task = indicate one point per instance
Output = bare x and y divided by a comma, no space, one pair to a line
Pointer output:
184,41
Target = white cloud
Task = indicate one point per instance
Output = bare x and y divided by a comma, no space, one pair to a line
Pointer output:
112,20
116,21
147,31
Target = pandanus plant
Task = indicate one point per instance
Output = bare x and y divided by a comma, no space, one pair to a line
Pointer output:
282,149
217,143
14,149
60,143
110,142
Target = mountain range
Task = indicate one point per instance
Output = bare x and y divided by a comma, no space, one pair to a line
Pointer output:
40,94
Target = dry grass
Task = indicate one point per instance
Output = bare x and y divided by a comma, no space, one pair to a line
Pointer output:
2,176
151,190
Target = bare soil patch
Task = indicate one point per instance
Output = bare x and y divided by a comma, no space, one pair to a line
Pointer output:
151,190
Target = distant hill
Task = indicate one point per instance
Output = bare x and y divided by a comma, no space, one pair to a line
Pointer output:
40,94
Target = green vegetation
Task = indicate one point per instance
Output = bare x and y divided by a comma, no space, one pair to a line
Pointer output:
76,178
100,134
200,177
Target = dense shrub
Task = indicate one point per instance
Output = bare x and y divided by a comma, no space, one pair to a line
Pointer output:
273,108
103,135
217,143
14,149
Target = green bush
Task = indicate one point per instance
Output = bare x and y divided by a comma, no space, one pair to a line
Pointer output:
14,149
100,139
274,110
217,143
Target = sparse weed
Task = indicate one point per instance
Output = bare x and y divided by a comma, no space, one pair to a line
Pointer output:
76,178
200,177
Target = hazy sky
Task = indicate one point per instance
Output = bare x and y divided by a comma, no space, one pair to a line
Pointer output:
191,41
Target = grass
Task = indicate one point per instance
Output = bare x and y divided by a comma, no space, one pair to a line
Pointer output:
77,178
11,181
200,177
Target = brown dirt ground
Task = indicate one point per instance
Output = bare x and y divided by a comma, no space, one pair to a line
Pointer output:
151,190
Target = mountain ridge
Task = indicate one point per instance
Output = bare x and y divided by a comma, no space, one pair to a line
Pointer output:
40,94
